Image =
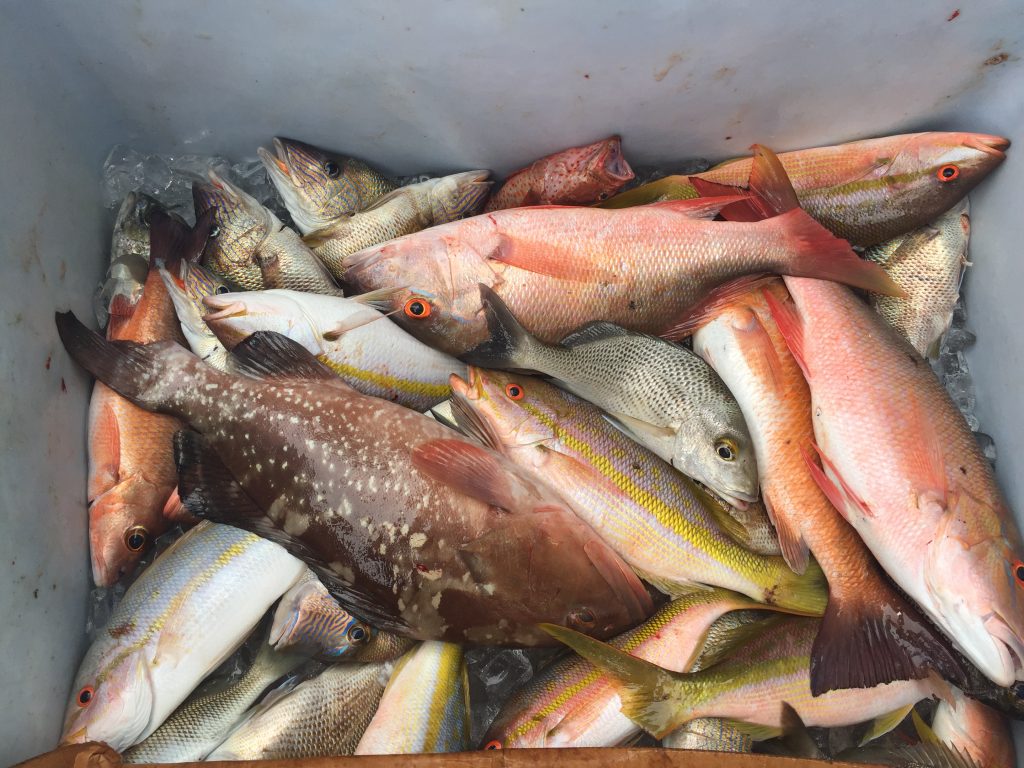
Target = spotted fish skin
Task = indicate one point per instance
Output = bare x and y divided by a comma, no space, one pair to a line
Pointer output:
573,704
349,336
422,531
311,622
402,212
425,708
321,717
177,622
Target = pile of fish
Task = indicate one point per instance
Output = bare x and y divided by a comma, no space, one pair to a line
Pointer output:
683,433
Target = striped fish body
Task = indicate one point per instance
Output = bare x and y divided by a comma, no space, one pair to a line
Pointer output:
573,704
401,212
187,287
183,616
321,717
865,191
425,708
368,351
654,517
709,734
206,718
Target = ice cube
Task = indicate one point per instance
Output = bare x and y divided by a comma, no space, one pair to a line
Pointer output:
122,173
958,339
156,175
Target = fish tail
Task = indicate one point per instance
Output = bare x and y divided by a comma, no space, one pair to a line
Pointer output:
870,639
146,374
805,594
657,700
510,344
813,251
172,241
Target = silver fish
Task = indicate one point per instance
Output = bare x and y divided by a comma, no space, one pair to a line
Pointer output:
664,396
129,258
187,289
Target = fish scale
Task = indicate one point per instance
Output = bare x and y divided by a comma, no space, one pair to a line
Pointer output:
215,576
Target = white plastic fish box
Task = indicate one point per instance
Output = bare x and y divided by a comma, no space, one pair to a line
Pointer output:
439,86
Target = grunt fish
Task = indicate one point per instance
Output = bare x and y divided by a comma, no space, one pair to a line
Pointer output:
572,703
865,191
348,335
425,707
318,186
250,246
709,734
206,717
558,268
131,464
310,622
177,622
574,176
652,516
928,264
187,288
752,685
417,530
664,396
321,717
870,634
401,212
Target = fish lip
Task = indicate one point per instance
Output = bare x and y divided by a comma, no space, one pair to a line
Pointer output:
616,168
1010,647
276,163
989,144
79,736
224,306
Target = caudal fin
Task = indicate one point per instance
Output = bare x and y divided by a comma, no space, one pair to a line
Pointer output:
509,345
805,593
652,697
172,241
877,639
133,370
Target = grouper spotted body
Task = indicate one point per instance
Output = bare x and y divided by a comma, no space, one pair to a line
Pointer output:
413,527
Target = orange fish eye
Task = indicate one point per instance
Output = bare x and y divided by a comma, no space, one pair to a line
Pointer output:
84,697
135,538
1018,572
493,744
514,392
584,617
948,172
417,308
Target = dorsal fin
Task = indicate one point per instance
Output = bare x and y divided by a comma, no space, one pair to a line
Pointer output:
270,355
592,332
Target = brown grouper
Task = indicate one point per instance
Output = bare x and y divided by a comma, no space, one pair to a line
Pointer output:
413,527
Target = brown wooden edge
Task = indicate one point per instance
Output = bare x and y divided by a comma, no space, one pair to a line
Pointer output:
94,755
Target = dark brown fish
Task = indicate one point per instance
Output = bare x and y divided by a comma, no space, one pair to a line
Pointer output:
414,528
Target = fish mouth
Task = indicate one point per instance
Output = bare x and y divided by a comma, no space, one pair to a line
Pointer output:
989,144
224,306
614,162
276,163
738,499
79,736
1009,647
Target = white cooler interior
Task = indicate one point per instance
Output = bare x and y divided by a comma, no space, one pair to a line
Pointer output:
420,87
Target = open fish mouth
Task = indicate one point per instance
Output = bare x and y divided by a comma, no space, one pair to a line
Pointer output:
276,163
223,306
1009,647
615,165
992,145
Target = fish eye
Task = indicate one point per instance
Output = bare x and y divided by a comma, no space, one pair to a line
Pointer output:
358,634
514,392
214,231
332,169
418,308
222,289
493,744
726,450
603,196
948,172
135,538
1018,572
584,617
84,697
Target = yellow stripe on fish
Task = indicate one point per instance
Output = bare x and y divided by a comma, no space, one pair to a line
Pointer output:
387,381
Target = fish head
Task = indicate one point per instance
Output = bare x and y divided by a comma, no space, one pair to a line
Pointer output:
131,226
112,696
234,316
723,459
318,186
605,170
309,621
505,410
931,172
434,280
123,523
459,195
976,578
240,226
